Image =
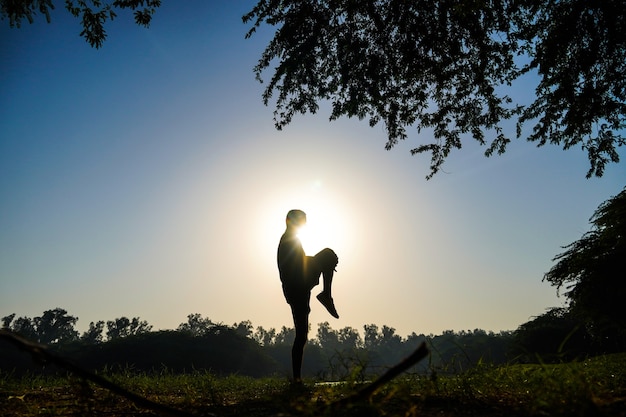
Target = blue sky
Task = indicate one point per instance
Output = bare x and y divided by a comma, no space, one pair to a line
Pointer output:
146,179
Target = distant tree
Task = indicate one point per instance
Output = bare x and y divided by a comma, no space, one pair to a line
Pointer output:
6,321
391,345
553,336
123,327
285,336
350,338
264,337
448,355
244,329
415,339
327,338
52,327
345,339
94,334
453,352
480,346
55,326
371,339
94,14
340,353
23,326
389,337
449,66
197,325
592,272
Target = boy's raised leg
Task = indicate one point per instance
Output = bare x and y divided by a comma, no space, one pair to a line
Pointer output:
325,296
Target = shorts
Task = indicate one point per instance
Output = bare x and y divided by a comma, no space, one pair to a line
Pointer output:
298,299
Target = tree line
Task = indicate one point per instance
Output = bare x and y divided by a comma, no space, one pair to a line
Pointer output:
200,344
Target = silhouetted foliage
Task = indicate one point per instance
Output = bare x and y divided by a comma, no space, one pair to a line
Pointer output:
196,325
52,327
124,327
345,339
264,337
221,353
201,344
340,351
592,272
93,14
244,328
55,326
22,325
94,334
449,65
332,354
555,336
446,66
130,344
285,336
454,352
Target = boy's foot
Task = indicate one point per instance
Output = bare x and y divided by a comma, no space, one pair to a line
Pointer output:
328,302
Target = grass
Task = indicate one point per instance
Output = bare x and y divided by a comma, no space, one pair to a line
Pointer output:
594,387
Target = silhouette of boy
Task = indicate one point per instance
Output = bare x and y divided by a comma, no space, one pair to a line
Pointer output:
299,274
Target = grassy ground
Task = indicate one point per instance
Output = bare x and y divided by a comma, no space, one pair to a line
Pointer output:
595,387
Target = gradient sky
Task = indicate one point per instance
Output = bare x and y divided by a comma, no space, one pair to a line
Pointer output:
147,179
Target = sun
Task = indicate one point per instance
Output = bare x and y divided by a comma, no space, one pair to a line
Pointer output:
323,229
318,233
332,221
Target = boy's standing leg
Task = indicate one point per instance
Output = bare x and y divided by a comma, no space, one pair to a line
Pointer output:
300,310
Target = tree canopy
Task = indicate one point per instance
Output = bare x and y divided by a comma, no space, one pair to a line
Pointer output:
52,327
94,14
448,66
445,68
592,272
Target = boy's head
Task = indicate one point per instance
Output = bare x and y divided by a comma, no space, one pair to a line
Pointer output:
295,219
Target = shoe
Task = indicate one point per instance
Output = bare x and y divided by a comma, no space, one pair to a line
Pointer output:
328,303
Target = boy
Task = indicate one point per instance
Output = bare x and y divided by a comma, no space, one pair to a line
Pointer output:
299,274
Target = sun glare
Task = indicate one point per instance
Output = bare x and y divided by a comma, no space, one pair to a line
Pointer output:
328,222
323,229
